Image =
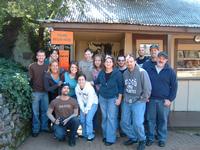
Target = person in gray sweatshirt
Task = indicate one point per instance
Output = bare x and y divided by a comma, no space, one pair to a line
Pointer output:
137,90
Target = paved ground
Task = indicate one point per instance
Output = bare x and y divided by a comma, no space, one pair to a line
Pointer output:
178,140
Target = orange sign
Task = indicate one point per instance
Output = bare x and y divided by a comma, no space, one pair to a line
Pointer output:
64,59
61,37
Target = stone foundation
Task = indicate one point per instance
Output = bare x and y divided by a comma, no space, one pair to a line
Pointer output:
13,129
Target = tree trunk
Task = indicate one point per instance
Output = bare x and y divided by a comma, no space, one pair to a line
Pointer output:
41,37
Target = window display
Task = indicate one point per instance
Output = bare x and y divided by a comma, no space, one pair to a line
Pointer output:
188,63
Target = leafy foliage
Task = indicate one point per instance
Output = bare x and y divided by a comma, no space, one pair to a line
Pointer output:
9,33
15,87
32,10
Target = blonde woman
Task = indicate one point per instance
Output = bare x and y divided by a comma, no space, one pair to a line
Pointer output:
52,80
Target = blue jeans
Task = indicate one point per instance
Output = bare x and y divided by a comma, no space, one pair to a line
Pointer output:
132,120
96,118
40,103
109,123
157,116
87,122
72,125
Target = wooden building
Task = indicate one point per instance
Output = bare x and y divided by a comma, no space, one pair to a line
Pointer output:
129,24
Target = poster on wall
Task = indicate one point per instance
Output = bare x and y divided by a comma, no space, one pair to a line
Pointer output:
104,48
64,59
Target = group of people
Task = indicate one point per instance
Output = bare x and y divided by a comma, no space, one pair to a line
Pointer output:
130,93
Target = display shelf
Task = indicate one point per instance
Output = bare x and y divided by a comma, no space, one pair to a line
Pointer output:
188,63
189,59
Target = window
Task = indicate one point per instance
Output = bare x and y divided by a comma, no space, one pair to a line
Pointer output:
188,59
147,48
146,45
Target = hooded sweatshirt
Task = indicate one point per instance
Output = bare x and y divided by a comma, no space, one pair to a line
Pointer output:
137,85
86,97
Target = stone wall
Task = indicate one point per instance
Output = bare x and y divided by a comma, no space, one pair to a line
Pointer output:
22,52
13,129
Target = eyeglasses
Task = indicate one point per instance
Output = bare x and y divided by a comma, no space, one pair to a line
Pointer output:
120,60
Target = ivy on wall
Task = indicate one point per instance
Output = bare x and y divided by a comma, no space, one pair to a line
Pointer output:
15,87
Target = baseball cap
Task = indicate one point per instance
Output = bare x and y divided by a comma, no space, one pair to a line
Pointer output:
163,54
154,46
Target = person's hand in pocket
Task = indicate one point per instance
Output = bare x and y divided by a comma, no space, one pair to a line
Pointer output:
167,103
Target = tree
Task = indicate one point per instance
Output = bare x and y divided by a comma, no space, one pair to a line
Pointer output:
32,10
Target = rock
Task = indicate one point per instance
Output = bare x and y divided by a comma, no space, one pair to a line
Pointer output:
15,117
1,126
1,143
9,137
12,125
5,112
1,100
13,130
4,140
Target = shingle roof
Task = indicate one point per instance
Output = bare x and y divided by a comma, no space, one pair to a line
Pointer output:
172,13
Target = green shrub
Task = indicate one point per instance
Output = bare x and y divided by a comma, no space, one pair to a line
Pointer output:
15,87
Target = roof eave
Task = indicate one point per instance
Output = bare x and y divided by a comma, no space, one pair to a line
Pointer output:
121,26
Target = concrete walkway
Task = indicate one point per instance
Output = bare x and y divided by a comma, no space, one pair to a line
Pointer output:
178,140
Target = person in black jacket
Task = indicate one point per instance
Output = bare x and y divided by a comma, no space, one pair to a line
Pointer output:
52,80
142,58
164,89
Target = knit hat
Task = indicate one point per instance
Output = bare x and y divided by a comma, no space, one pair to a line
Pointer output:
65,84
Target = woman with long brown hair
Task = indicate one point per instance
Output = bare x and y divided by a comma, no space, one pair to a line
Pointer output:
71,78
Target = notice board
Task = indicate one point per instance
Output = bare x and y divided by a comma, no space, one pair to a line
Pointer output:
64,59
61,37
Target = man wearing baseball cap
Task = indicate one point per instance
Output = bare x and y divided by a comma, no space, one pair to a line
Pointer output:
154,50
164,89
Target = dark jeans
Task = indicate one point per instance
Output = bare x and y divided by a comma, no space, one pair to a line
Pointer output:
157,116
72,125
96,119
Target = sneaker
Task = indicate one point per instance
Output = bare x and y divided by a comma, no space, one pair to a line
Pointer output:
141,145
161,144
149,143
90,139
108,143
129,142
35,134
